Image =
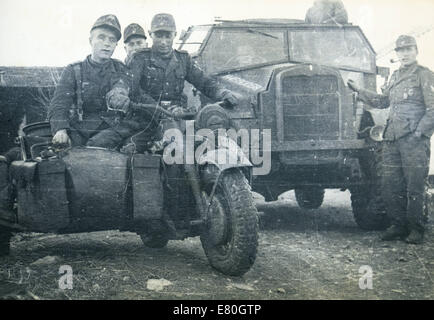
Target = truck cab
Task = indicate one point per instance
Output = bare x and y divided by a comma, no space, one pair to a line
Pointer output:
292,77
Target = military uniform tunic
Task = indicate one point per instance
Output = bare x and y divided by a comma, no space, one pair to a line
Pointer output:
406,152
99,127
163,78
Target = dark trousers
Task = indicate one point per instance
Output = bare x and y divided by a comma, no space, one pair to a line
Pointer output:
404,177
106,135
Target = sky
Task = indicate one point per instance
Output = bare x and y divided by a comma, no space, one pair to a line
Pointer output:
56,32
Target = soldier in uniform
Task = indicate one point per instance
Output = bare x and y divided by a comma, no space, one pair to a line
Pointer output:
160,71
78,111
134,40
406,151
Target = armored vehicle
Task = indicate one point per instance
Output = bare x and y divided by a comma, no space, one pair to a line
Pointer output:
293,78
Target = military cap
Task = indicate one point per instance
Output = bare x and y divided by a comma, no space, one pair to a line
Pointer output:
110,21
405,41
164,22
133,29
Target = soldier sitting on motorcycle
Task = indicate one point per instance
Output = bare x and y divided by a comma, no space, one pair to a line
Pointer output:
90,86
78,112
160,71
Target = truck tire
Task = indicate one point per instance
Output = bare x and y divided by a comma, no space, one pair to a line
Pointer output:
368,206
230,237
5,237
309,197
368,209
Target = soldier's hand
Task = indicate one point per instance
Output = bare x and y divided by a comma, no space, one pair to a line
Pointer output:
353,86
117,99
176,111
229,98
61,138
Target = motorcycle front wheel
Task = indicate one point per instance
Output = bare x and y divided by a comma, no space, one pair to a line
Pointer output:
230,238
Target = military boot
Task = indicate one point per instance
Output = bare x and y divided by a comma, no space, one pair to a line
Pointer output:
394,232
415,237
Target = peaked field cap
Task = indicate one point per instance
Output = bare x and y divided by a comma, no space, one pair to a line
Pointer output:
163,22
110,21
405,41
133,29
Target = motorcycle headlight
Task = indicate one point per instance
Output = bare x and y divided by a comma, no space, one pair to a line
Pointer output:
376,133
212,117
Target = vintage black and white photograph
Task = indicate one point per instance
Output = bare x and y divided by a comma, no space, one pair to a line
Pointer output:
216,150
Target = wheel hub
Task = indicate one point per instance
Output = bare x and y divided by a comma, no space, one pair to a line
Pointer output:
217,223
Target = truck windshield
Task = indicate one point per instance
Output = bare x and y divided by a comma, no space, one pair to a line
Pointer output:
238,48
339,48
194,39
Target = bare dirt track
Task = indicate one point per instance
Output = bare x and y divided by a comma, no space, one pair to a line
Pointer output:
303,254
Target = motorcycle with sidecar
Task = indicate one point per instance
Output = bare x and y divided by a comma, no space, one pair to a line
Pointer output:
85,189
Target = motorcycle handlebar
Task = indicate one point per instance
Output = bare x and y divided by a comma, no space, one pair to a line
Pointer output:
184,115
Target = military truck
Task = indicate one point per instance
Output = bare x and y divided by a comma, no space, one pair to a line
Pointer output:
292,77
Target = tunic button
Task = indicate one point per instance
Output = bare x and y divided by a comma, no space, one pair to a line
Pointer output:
167,83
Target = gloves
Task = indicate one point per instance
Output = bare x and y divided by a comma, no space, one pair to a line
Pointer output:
117,99
61,138
353,86
176,111
229,98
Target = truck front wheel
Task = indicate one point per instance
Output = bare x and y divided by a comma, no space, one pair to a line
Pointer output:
368,209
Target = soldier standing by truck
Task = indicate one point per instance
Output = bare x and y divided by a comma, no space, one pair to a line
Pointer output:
406,150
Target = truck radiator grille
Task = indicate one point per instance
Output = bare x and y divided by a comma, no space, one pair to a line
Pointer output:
310,108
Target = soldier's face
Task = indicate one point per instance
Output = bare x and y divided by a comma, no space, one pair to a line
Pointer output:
103,42
407,55
134,44
163,41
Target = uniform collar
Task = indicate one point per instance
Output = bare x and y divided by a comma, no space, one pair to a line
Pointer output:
102,66
161,62
403,74
405,68
156,54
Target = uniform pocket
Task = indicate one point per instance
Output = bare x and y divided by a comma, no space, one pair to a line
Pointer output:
180,78
151,77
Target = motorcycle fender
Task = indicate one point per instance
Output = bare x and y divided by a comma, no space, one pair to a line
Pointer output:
225,159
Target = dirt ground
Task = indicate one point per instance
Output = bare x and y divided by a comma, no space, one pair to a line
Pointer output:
303,254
